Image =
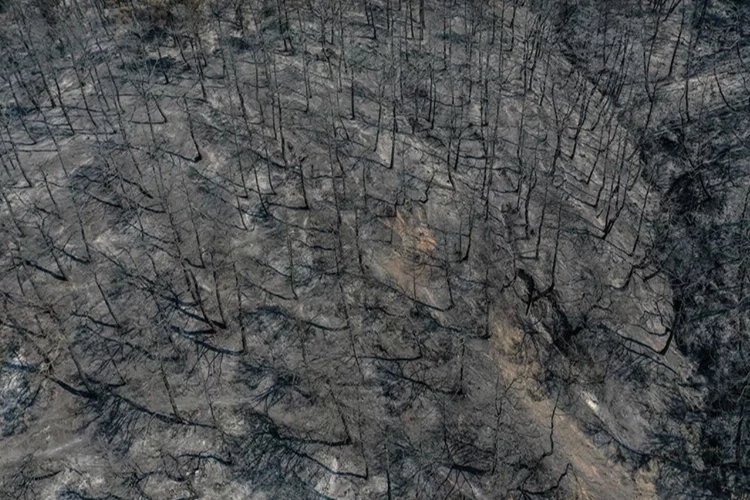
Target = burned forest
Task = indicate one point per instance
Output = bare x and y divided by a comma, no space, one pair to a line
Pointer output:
374,249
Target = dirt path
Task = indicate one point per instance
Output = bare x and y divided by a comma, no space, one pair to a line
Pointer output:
598,475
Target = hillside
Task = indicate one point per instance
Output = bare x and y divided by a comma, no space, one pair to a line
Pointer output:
276,249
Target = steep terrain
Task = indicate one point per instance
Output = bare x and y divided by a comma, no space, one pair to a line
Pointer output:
373,250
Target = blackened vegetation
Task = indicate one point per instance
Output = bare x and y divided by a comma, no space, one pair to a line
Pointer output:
377,249
706,260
